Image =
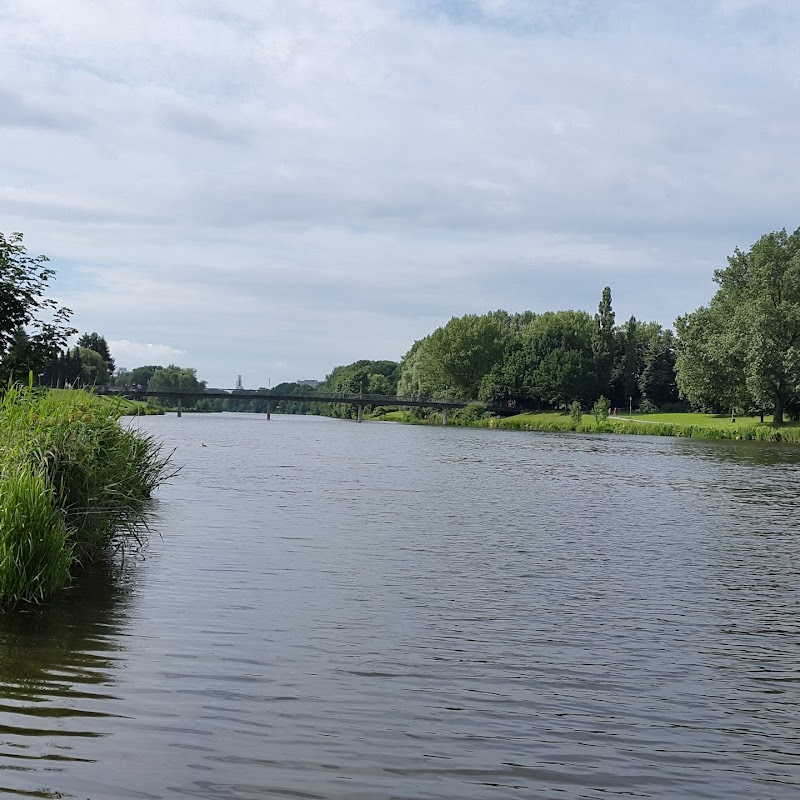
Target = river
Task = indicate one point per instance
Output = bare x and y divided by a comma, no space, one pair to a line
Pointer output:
334,610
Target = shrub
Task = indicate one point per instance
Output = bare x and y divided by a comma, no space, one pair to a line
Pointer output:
647,407
575,412
470,414
600,409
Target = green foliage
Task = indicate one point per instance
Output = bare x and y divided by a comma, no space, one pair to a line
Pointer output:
362,377
35,554
24,281
575,412
174,377
560,348
454,359
743,350
600,409
94,341
470,414
603,342
94,370
140,376
97,476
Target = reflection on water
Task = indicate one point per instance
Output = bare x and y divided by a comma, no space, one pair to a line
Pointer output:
372,611
57,667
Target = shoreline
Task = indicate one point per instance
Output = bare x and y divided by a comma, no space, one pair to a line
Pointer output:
563,423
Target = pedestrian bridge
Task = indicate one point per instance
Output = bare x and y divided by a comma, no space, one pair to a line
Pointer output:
361,401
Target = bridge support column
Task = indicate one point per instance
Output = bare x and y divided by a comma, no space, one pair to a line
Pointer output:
360,413
179,406
444,416
269,410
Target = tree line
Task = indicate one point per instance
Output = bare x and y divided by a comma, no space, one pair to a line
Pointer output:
740,352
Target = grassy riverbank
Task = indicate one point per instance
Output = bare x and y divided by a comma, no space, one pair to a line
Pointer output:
698,426
73,483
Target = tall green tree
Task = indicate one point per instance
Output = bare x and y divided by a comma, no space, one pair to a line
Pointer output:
363,377
174,377
603,343
657,381
139,376
94,341
629,362
454,359
560,348
94,370
744,348
24,282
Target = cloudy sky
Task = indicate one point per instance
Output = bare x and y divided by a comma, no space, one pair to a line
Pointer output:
275,187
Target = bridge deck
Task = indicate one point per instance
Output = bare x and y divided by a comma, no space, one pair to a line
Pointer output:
310,397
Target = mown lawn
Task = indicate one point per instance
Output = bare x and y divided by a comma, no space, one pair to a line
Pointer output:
706,420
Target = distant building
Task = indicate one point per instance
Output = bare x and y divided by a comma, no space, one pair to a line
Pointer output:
310,383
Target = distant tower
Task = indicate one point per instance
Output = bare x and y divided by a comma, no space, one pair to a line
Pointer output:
239,382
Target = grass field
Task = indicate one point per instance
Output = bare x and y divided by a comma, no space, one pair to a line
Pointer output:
706,420
124,407
689,425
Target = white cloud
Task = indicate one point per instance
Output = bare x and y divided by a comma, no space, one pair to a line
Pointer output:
133,354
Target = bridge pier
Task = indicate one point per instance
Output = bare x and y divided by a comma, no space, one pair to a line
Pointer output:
360,413
179,406
444,415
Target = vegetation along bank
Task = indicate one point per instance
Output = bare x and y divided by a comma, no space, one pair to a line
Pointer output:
74,484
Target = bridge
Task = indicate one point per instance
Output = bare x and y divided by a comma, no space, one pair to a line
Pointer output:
360,401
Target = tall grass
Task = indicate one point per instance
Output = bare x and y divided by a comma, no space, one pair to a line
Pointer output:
69,454
35,552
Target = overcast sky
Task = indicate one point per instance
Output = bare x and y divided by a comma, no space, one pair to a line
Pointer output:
273,188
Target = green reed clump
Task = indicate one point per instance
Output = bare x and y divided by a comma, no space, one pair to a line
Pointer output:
35,552
98,476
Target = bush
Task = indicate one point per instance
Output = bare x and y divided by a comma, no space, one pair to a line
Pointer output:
470,414
600,409
576,412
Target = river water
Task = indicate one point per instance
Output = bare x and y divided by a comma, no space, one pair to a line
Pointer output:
334,610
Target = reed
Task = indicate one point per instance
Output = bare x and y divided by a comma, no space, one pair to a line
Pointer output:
68,452
35,552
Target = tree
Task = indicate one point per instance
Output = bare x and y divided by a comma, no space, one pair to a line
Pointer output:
94,371
174,377
560,377
630,363
463,351
603,342
657,380
24,281
139,376
361,377
560,348
744,348
96,342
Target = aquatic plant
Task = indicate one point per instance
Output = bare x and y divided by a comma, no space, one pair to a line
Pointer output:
68,452
35,552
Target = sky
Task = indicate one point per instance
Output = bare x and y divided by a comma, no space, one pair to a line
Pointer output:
270,188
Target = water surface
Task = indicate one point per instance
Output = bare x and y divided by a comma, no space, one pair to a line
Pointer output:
333,610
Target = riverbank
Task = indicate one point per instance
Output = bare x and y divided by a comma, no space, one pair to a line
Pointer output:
696,426
73,483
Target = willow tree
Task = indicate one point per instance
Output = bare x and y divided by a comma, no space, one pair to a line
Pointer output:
744,348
